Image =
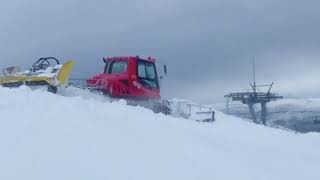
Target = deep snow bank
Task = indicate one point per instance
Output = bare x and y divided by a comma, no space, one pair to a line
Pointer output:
77,135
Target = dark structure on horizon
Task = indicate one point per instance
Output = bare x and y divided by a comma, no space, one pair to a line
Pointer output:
255,97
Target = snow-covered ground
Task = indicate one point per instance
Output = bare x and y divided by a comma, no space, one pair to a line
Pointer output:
80,135
302,115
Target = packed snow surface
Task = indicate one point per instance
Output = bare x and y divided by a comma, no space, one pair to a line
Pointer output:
80,135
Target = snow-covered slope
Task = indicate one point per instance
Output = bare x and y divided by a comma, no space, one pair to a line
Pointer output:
83,136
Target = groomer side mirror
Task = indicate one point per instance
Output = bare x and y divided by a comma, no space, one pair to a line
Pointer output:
165,69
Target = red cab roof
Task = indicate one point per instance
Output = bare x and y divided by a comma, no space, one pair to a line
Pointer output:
127,58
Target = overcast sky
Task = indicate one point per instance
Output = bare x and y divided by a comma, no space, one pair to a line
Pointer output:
208,45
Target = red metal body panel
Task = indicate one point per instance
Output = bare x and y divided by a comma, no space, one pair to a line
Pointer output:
124,85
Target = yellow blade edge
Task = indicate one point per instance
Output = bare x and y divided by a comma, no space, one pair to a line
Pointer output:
65,71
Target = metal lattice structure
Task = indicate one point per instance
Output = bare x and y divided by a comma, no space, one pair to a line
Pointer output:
254,97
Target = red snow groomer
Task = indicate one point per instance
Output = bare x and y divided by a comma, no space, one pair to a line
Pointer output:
136,80
132,78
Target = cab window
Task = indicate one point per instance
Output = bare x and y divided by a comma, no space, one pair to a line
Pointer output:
118,67
147,74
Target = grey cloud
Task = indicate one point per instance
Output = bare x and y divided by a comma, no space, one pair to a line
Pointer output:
207,44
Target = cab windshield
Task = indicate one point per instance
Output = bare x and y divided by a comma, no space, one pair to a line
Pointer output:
147,74
118,67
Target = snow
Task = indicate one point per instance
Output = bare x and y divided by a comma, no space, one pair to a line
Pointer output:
49,72
80,135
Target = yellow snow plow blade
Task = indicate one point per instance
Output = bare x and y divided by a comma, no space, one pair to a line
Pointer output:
23,80
64,73
51,79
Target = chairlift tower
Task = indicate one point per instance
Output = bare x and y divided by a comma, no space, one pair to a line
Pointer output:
255,97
